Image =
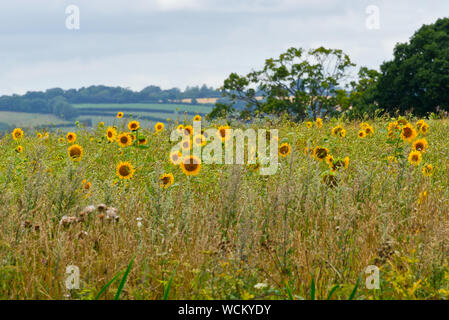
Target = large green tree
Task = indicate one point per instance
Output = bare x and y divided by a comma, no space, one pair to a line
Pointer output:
417,79
300,83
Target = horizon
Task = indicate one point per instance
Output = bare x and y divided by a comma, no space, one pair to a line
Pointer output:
180,43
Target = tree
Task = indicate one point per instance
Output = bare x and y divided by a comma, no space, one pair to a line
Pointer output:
417,79
299,83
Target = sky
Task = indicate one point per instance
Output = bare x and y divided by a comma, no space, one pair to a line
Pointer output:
179,43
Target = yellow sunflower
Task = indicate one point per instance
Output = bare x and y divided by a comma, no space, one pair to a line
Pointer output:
17,134
330,160
319,122
19,149
284,149
119,115
361,134
175,157
191,165
309,124
86,184
199,140
142,141
133,125
336,130
427,170
414,158
197,118
111,134
71,137
188,131
420,145
124,139
75,152
408,133
159,127
39,135
180,128
369,130
320,153
221,132
167,179
61,140
125,170
424,128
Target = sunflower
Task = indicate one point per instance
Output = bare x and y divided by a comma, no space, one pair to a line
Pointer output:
75,152
111,134
221,132
159,127
101,124
133,125
142,141
320,153
191,165
369,130
71,137
364,125
319,122
394,126
427,170
408,133
175,157
309,124
19,149
86,184
330,160
124,139
392,159
336,130
424,128
420,145
284,149
330,180
180,128
415,158
361,134
167,180
419,124
186,144
61,140
197,118
199,140
188,131
402,121
125,170
422,197
17,134
39,135
119,115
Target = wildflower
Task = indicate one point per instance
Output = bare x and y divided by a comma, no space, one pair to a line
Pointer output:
260,286
142,141
133,125
336,130
124,139
191,165
111,134
424,129
17,134
75,152
119,115
19,149
320,153
422,197
39,135
125,170
408,133
199,140
369,130
101,124
71,137
285,149
167,179
319,122
361,134
180,128
159,127
86,184
309,124
175,157
223,133
420,145
414,158
197,118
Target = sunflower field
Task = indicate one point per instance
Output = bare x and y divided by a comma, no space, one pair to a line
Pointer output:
118,204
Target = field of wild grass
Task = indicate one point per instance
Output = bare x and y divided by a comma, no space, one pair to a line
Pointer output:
346,195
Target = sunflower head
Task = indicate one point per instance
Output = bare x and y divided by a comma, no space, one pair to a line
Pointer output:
336,130
142,141
124,139
197,118
427,170
111,134
175,157
319,122
414,158
284,149
17,134
167,179
19,149
369,130
361,134
180,128
320,153
408,133
223,134
159,127
133,125
71,137
119,115
420,145
125,170
75,152
199,140
191,165
309,124
188,131
424,129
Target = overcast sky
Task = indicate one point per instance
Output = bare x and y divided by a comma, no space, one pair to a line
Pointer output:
176,43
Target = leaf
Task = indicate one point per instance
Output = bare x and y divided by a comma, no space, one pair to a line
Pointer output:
122,282
107,285
333,290
355,289
167,289
312,290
